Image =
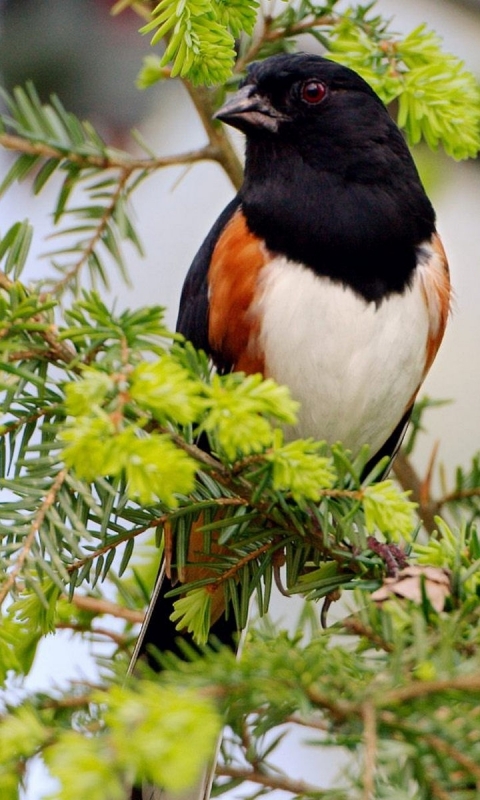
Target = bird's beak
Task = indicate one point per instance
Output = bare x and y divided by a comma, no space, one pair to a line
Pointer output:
247,109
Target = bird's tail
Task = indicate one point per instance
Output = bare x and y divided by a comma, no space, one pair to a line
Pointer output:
158,633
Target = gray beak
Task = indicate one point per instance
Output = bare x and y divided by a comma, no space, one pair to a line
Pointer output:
248,110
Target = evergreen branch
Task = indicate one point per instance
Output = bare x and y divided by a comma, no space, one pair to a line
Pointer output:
117,638
370,742
233,572
271,32
355,626
119,540
438,792
97,233
464,683
219,141
269,781
456,496
58,350
21,144
35,525
437,743
409,480
97,605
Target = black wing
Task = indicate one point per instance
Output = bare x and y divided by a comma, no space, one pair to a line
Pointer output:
192,319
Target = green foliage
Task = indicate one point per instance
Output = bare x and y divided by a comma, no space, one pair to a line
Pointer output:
438,99
410,673
389,511
146,735
193,613
201,35
240,410
95,221
299,467
102,414
459,553
432,87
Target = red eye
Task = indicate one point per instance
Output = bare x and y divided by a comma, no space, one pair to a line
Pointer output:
313,92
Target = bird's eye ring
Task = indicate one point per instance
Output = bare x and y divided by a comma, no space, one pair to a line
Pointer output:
313,92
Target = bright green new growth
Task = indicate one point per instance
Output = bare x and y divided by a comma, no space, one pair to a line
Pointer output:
201,45
438,99
390,511
299,468
156,734
433,88
98,450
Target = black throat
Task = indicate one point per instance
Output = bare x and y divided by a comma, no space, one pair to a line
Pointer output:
356,215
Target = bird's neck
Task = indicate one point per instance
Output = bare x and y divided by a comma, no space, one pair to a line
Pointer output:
360,229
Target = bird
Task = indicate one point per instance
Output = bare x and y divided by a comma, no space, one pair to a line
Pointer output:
326,271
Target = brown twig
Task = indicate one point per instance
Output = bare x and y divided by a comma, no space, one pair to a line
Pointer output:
270,781
466,683
355,626
460,494
117,638
35,526
438,744
158,522
111,160
98,605
317,724
57,349
370,739
232,572
79,563
410,480
268,34
438,792
58,286
219,142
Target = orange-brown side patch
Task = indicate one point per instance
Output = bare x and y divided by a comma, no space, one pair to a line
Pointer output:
437,292
196,553
233,328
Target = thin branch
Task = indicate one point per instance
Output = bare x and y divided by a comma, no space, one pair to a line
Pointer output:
35,526
157,522
111,160
268,34
232,572
370,739
58,286
9,427
438,744
57,350
117,638
438,792
465,683
460,494
219,142
98,605
316,724
281,782
356,626
76,565
409,479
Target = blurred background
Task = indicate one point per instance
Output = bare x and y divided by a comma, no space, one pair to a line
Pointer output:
74,48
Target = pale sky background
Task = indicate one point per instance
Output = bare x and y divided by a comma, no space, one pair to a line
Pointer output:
175,209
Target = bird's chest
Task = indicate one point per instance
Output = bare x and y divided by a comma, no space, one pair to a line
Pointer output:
354,366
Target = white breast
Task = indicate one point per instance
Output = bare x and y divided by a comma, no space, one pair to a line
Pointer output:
353,366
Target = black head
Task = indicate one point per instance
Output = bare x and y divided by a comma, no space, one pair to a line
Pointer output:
329,180
293,88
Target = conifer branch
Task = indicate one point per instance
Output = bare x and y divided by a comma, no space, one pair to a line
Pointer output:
35,525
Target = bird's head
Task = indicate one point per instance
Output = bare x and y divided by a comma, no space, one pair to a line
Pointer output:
329,180
296,91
